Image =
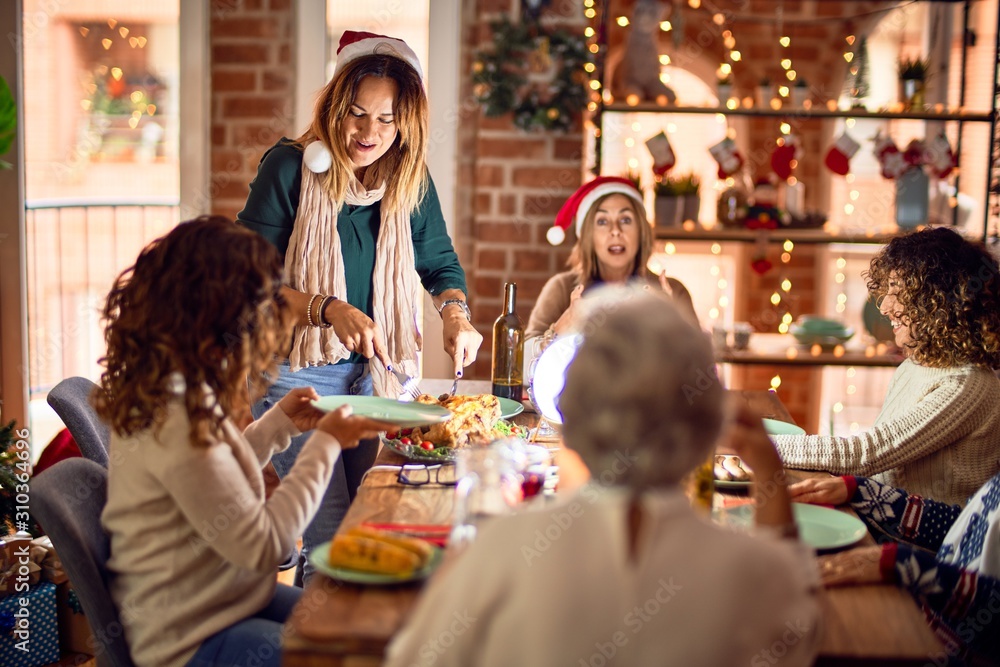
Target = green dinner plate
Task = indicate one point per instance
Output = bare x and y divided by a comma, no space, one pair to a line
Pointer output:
509,407
403,415
320,558
819,527
778,427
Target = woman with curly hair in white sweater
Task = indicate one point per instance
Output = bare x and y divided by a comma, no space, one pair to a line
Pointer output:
938,434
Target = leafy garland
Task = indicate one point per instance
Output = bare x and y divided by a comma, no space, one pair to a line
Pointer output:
501,82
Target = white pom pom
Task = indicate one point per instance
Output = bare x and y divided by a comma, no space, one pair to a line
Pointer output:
555,235
317,157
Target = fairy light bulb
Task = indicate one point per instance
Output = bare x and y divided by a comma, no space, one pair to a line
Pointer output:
775,299
622,21
666,26
786,285
735,55
785,41
775,382
786,63
588,32
788,246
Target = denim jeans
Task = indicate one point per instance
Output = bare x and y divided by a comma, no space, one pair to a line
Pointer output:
253,641
332,380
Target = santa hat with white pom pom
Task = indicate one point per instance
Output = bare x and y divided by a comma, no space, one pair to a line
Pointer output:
353,45
575,209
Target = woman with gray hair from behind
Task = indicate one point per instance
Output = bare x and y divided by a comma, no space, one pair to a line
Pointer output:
623,571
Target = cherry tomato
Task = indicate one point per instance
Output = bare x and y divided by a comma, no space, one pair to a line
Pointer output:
427,444
405,441
406,431
392,435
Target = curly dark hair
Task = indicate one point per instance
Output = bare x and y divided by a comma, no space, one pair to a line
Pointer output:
203,301
948,290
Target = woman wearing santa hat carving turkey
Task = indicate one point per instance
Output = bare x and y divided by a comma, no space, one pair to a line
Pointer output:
352,208
613,244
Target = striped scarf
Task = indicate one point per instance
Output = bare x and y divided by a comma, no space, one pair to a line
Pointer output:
314,264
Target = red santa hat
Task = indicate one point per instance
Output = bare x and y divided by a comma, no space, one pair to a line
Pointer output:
354,44
575,209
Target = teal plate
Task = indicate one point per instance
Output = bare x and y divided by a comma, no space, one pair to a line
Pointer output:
403,415
320,558
819,527
509,407
778,427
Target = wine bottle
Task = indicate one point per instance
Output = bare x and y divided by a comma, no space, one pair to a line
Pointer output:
508,348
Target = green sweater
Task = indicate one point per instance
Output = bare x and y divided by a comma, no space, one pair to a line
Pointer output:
274,201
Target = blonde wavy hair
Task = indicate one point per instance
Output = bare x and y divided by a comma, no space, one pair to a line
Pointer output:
203,302
948,288
583,258
403,167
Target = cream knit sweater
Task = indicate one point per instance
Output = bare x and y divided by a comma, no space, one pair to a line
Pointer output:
938,435
194,545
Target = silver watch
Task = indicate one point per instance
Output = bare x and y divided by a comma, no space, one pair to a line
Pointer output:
456,302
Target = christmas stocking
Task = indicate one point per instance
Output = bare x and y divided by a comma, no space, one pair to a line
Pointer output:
940,157
914,153
839,156
889,157
783,156
728,156
663,154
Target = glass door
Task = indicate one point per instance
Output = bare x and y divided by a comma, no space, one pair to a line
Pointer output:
102,123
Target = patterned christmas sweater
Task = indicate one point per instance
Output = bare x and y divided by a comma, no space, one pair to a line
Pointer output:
947,557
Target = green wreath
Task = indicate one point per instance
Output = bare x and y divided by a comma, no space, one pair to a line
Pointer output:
502,75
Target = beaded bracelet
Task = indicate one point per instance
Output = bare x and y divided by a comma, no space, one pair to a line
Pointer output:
323,322
309,310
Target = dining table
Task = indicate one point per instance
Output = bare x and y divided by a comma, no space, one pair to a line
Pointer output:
349,625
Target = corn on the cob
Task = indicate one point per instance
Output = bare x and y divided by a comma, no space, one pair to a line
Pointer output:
367,555
421,548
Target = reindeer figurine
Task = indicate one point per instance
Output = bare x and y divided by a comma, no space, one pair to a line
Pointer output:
638,73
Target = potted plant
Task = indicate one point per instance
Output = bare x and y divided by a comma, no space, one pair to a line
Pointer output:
8,121
677,199
912,79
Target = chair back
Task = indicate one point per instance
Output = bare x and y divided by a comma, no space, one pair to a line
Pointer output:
67,500
71,401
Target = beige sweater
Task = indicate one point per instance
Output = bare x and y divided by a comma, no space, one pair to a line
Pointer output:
555,299
194,544
556,587
938,435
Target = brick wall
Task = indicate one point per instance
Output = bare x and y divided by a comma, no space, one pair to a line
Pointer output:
519,180
253,85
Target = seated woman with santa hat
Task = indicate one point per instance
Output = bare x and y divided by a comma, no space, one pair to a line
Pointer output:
614,241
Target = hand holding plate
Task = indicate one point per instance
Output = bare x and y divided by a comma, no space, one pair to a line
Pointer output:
297,404
349,428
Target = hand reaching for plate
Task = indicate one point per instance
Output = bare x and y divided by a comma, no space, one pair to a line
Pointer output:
825,491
